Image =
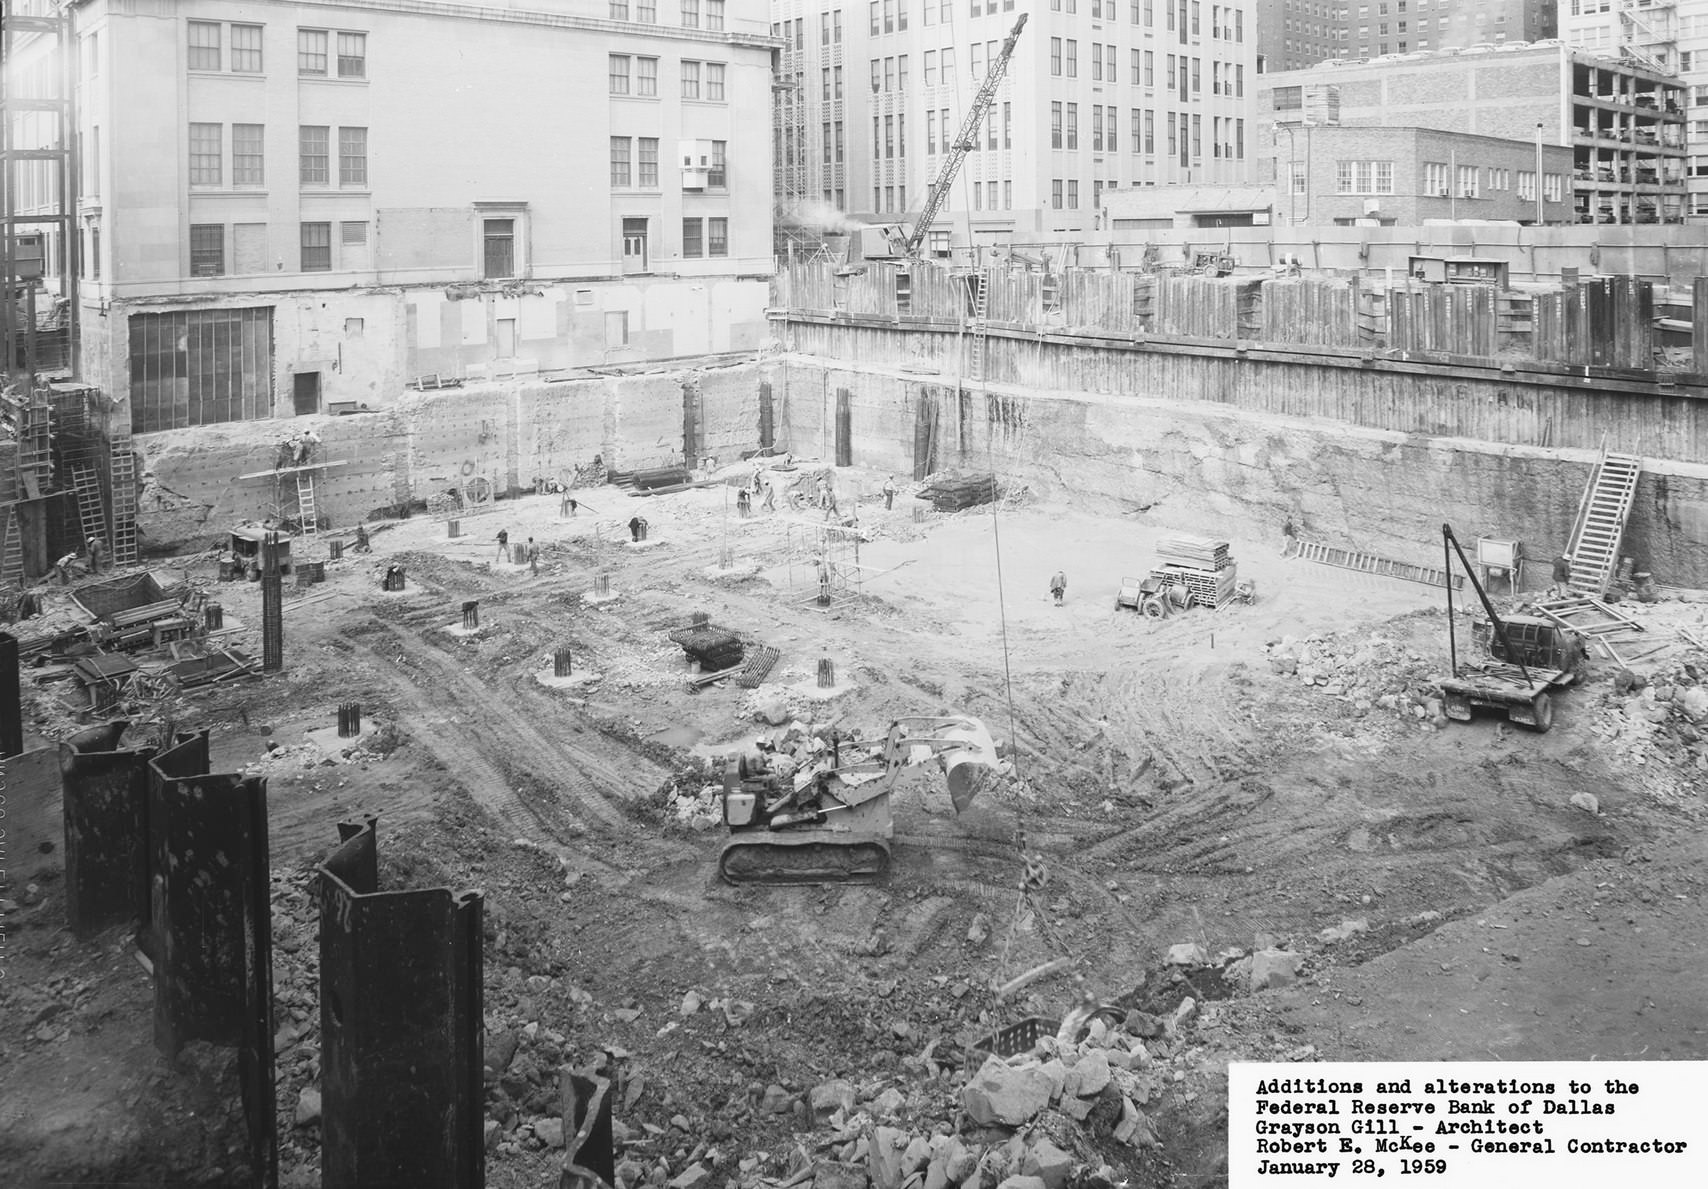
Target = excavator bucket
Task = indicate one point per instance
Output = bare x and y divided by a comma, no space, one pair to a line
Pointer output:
971,762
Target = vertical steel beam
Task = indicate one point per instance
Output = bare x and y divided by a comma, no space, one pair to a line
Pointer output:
402,1028
105,806
213,931
11,702
272,607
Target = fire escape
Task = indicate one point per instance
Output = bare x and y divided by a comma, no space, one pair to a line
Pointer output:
789,119
1648,33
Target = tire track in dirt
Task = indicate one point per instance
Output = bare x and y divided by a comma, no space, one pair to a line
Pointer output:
569,770
454,745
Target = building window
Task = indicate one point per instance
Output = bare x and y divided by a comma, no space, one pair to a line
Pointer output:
317,247
619,72
692,242
1073,125
716,178
715,81
717,237
311,51
248,155
646,76
690,80
207,249
1073,194
204,45
648,173
498,237
1055,124
690,14
1364,177
246,49
620,161
1435,179
1465,181
311,155
1056,193
1553,187
205,154
352,55
353,235
715,15
1527,185
352,156
619,10
646,11
1056,57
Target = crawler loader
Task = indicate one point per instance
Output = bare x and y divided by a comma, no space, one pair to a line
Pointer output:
828,820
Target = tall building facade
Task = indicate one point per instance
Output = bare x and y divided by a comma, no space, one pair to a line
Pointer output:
1099,94
1293,34
297,206
1623,121
1668,35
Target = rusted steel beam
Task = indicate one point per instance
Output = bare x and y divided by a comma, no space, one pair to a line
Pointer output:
401,1024
208,859
105,806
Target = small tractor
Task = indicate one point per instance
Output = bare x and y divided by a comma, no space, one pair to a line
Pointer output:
827,820
1157,598
1527,659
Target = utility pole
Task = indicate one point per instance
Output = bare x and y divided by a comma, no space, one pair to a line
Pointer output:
1538,173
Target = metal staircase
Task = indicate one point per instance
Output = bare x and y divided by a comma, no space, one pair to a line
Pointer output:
1600,523
123,467
91,509
308,516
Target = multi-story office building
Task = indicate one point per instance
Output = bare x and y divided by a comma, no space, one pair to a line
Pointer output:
1668,35
1099,94
1623,121
298,205
1293,34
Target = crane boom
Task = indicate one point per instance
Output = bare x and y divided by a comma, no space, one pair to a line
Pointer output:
964,142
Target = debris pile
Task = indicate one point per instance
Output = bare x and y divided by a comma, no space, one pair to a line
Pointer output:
1375,674
1661,723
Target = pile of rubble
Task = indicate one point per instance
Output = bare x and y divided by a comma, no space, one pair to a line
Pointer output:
1660,722
1371,675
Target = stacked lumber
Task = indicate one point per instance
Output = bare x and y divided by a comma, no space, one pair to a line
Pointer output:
961,491
1197,553
1211,588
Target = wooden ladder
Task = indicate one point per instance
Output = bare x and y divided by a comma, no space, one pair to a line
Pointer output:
123,467
981,311
91,512
11,549
308,515
1600,526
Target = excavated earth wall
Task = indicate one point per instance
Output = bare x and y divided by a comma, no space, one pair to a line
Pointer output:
511,433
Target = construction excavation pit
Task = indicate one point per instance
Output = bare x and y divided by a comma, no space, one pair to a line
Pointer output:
808,773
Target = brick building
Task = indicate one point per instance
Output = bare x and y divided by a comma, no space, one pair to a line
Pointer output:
1623,122
1293,34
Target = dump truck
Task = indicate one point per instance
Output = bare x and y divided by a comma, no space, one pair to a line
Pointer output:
1524,658
828,820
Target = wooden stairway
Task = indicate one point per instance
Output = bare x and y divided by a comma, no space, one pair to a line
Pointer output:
978,324
1600,523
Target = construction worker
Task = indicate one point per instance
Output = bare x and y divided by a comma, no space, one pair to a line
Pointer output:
503,544
533,557
362,544
1562,577
636,524
1289,538
889,493
744,503
1058,586
97,548
62,569
769,504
